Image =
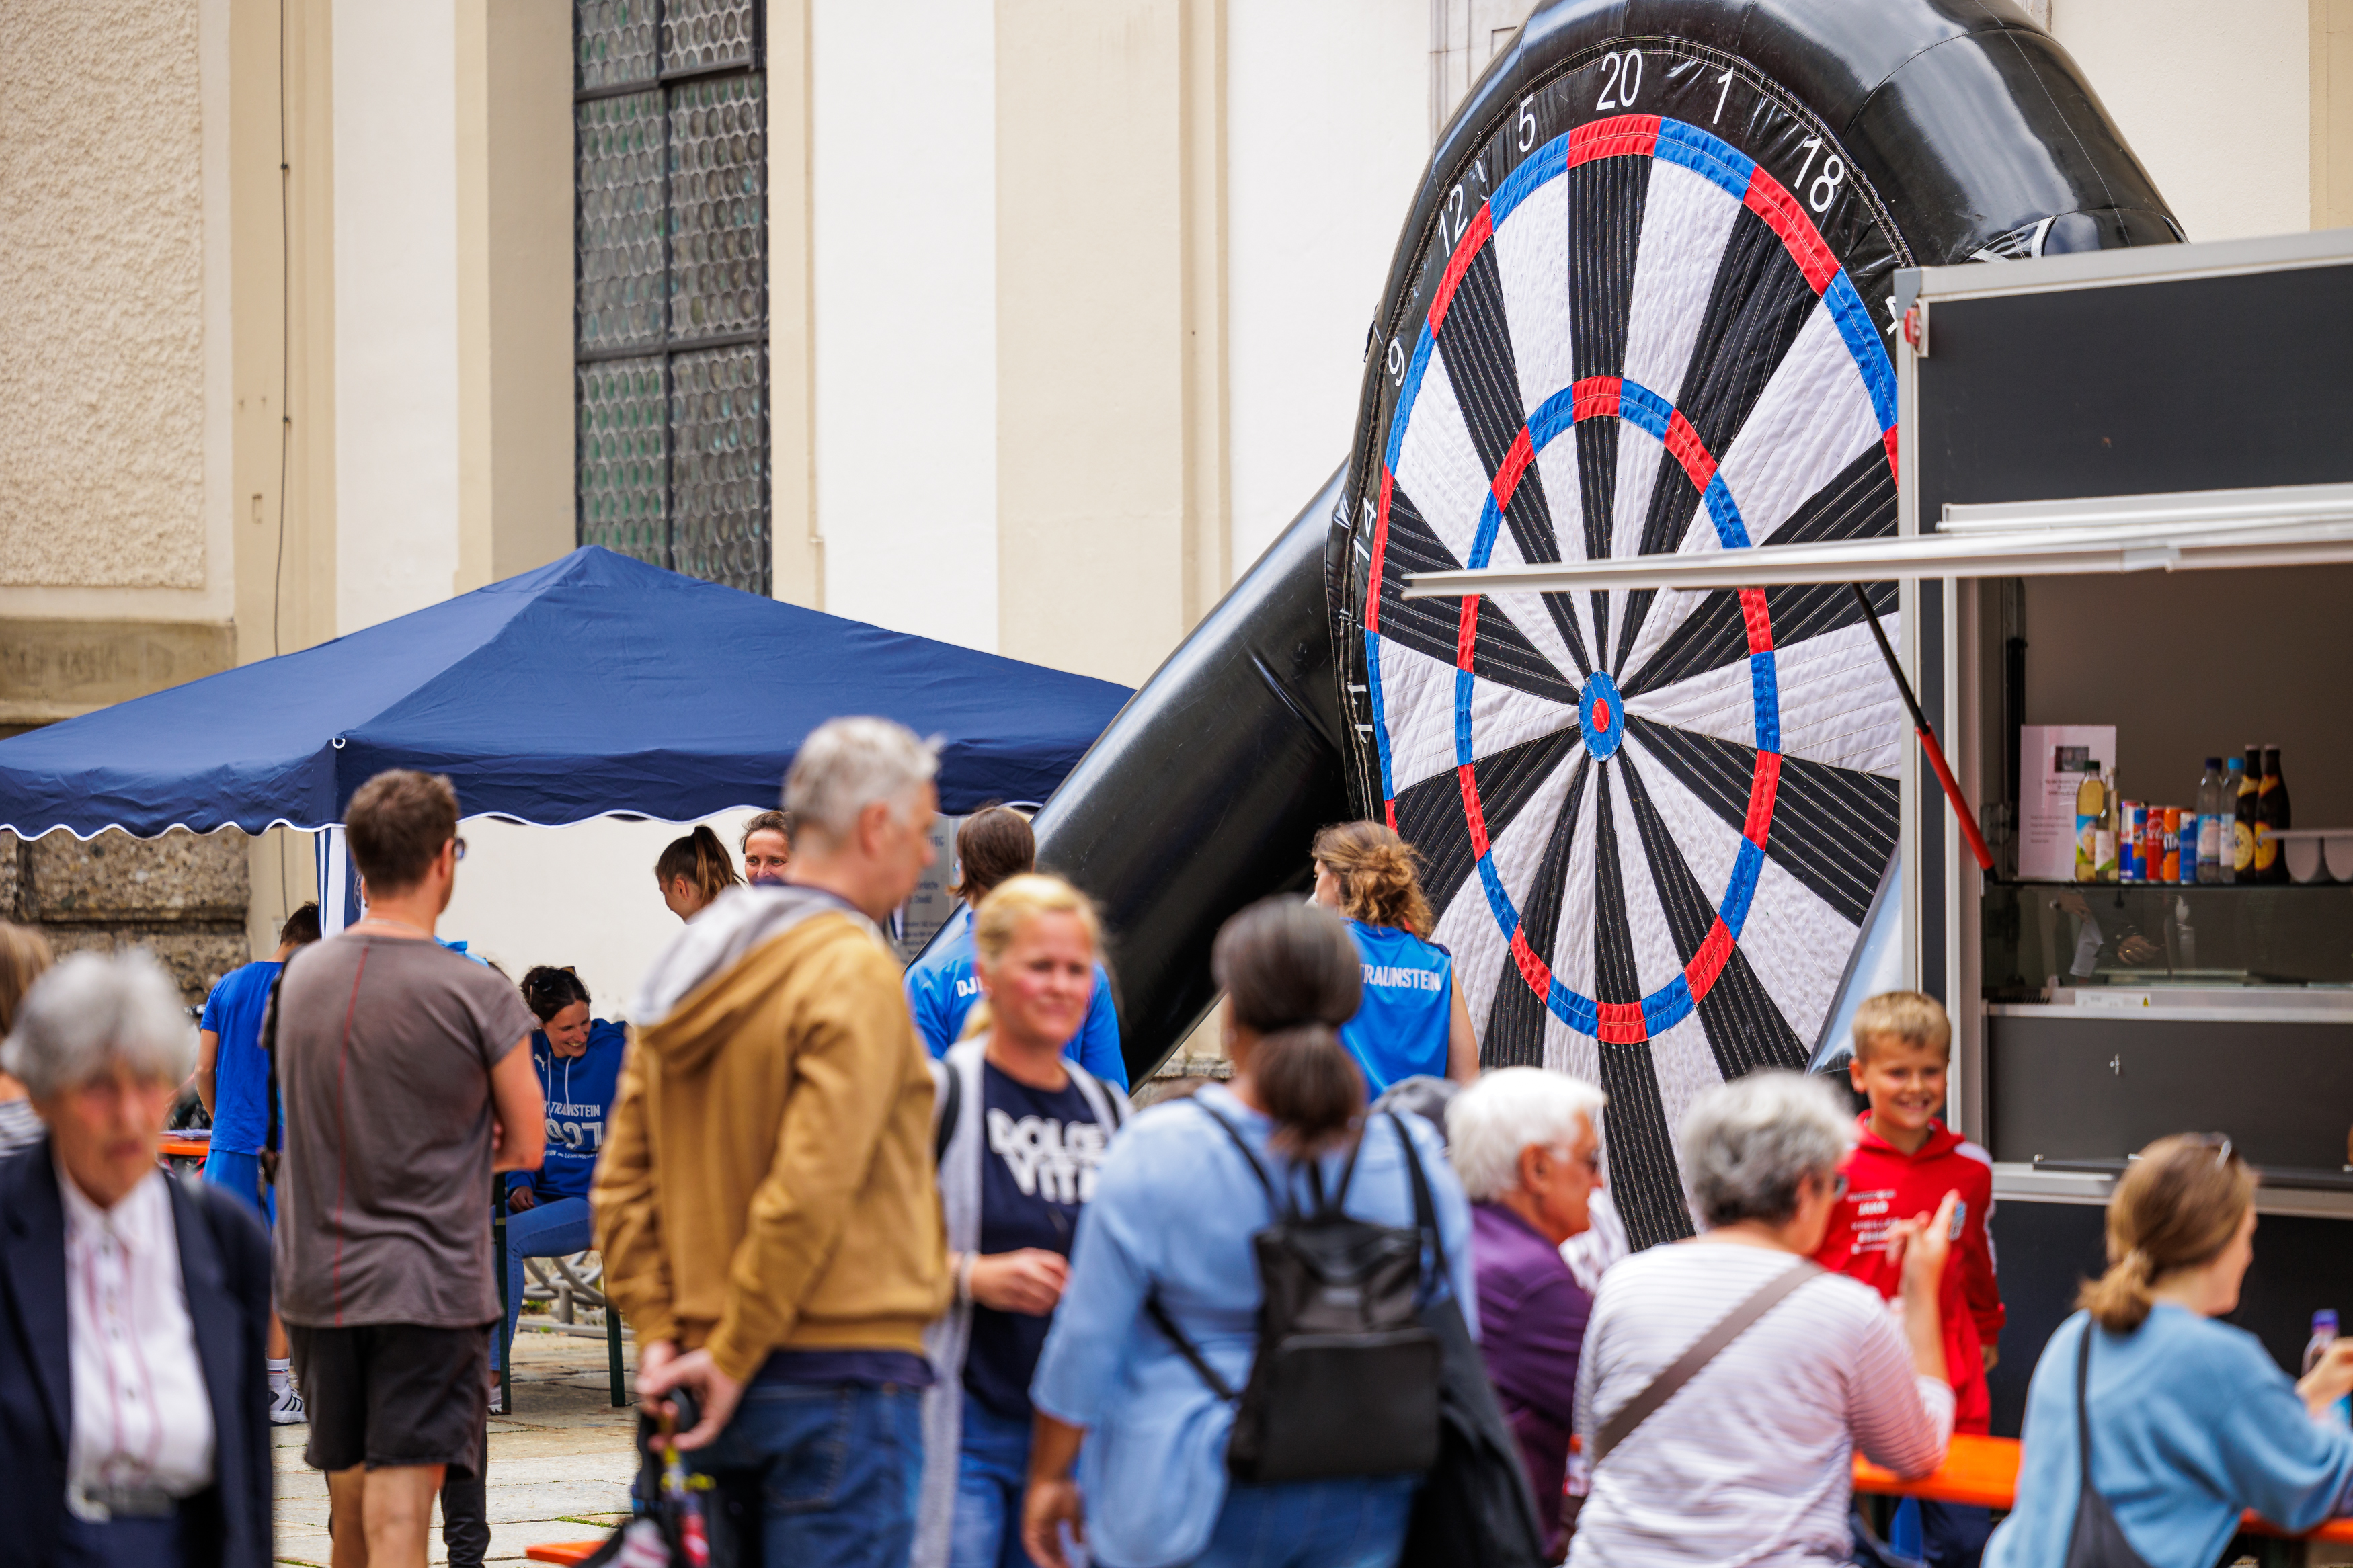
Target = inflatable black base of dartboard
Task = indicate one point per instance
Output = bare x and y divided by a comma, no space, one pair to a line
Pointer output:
1641,304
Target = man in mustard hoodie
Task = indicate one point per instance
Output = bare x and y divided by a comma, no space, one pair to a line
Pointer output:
766,1204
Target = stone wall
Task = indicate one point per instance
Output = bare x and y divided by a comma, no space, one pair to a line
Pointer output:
101,241
182,897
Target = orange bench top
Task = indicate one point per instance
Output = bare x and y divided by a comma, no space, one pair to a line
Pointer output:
1980,1471
1983,1473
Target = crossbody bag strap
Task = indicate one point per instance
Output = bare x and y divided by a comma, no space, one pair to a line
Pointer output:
1425,1212
2082,1400
1733,1324
1160,1313
1188,1350
1274,1197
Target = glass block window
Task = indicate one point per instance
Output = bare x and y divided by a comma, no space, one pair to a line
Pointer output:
671,284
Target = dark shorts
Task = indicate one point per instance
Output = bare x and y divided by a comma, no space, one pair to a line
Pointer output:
392,1395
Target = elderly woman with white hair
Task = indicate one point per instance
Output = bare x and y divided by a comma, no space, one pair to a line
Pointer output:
1727,1380
132,1407
1526,1146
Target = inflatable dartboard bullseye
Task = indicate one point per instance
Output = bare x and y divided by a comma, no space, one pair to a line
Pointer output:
1647,309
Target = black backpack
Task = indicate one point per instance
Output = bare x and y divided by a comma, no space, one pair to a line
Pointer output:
1346,1379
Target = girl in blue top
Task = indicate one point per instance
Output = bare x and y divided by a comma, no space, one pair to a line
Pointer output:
2191,1421
1128,1449
1413,1022
579,1063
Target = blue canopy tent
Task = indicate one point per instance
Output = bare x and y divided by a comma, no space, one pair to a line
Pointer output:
597,684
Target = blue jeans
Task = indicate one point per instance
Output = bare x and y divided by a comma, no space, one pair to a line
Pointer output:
833,1468
552,1228
1953,1535
241,1174
1355,1523
992,1470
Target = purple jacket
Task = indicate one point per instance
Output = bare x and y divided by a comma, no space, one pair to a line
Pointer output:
1532,1319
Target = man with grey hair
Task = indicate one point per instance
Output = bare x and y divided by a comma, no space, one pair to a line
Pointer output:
133,1306
1726,1384
1524,1141
765,1204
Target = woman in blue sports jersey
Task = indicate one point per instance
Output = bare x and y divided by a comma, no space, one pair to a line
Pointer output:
1412,1021
579,1063
993,846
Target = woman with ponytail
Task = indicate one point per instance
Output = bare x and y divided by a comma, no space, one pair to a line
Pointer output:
693,871
1129,1453
2190,1420
578,1060
1412,1022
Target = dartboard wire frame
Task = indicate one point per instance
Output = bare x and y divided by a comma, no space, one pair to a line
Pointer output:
1357,618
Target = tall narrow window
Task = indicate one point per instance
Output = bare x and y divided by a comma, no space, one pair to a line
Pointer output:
671,284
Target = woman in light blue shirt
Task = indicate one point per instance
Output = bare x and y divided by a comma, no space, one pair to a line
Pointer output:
1174,1208
2191,1421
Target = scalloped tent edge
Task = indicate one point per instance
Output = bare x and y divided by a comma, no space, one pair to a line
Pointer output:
595,685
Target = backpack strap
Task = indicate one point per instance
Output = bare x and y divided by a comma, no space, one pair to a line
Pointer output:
276,1109
1188,1350
1274,1197
1159,1314
1425,1212
947,1102
1109,1105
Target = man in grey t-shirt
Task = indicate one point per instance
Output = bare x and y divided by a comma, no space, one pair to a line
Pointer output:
403,1090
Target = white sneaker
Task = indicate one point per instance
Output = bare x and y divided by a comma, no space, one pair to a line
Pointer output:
286,1406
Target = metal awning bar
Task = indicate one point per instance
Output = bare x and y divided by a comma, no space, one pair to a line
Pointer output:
2273,504
2023,540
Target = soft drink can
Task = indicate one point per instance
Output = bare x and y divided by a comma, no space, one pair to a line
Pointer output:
2189,847
2172,831
2152,845
2129,822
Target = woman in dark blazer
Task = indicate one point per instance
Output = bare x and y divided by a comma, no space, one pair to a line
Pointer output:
133,1409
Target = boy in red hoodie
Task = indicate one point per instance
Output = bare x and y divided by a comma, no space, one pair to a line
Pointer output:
1903,1164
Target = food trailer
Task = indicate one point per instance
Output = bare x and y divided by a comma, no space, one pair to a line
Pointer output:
2127,504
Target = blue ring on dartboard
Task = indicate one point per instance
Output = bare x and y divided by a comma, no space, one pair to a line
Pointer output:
1620,397
1601,715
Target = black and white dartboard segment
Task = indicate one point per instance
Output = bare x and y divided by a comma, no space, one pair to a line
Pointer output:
1652,823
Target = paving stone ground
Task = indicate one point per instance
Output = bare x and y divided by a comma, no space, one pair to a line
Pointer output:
560,1466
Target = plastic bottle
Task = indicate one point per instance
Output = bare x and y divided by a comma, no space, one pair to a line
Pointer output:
2215,814
2185,938
2091,799
2324,1334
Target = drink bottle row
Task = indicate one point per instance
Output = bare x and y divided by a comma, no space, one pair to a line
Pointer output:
2224,837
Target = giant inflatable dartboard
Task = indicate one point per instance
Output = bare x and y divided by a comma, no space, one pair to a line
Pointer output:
1652,318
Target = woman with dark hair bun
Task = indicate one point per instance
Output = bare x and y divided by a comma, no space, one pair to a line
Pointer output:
1413,1023
579,1063
693,871
1129,1452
